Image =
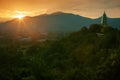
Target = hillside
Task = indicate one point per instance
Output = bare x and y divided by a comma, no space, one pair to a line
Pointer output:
83,55
55,22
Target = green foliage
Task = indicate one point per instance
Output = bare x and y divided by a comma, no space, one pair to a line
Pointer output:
95,28
89,54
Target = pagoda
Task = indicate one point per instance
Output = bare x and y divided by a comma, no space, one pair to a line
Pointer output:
104,19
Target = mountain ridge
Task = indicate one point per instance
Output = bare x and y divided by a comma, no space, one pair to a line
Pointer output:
55,22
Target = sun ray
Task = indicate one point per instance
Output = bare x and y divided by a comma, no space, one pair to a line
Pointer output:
20,16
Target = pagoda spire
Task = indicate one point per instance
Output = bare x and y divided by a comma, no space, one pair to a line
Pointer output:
104,19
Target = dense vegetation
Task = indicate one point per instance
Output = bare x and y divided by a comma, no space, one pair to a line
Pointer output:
90,54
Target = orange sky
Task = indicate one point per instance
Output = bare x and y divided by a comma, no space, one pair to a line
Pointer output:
88,8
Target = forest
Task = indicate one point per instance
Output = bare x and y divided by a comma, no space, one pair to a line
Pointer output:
88,54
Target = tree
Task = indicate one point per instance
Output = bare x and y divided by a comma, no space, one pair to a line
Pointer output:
95,28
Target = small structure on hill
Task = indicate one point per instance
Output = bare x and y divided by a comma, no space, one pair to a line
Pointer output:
104,19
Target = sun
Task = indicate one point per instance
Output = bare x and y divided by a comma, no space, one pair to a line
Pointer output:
20,16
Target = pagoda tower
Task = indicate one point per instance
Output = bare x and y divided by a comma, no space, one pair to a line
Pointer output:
104,19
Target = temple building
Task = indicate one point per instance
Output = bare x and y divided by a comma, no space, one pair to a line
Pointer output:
104,19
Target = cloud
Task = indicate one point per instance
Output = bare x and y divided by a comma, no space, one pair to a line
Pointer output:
84,7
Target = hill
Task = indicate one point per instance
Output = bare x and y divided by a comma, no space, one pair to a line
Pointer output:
83,55
55,22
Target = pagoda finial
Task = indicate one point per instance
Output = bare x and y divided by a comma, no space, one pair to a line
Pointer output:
104,12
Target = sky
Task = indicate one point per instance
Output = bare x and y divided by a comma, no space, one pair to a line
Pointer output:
87,8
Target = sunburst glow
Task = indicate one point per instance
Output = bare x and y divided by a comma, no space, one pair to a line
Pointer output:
20,16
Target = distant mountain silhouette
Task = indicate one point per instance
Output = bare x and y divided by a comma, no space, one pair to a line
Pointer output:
55,22
114,22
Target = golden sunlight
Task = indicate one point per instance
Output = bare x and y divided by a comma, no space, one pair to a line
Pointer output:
20,16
